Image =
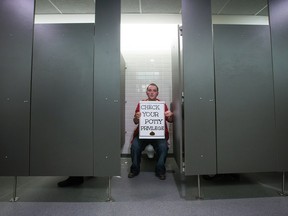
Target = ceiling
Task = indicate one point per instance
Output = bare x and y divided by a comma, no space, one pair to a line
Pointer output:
219,7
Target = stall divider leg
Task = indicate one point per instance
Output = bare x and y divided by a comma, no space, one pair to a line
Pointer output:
199,188
109,198
283,193
14,198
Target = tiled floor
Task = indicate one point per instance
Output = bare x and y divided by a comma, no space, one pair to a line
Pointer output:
221,195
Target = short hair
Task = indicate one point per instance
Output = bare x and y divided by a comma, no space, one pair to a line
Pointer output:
152,84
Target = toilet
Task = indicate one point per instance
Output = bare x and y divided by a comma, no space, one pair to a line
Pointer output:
149,151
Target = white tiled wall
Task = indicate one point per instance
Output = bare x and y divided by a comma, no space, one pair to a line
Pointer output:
146,65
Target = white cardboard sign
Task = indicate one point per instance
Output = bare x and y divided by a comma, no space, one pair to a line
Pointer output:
152,120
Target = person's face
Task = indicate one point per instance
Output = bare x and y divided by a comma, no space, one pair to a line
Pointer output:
152,92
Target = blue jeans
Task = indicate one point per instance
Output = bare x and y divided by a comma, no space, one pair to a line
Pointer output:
161,148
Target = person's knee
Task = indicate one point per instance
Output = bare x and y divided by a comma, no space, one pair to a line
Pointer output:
135,145
162,150
163,146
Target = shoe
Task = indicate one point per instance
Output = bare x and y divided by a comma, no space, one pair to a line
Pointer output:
71,181
161,176
132,175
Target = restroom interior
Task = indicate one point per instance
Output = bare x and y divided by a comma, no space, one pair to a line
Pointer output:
99,90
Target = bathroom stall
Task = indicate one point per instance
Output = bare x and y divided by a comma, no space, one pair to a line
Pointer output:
16,39
231,77
62,92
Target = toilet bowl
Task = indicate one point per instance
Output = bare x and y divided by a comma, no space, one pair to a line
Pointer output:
149,151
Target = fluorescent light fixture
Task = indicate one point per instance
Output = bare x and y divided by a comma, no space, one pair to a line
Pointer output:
150,37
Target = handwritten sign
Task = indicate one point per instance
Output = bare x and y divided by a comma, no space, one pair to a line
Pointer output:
152,121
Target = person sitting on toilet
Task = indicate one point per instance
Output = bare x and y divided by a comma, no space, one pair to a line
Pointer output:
160,145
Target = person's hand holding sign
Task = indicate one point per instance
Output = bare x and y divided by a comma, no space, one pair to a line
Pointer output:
137,117
169,116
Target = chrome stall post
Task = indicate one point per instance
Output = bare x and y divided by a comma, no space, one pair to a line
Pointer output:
283,193
199,188
109,198
14,198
